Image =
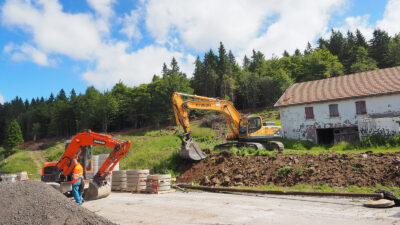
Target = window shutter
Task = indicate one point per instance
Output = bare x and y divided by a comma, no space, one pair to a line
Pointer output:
333,110
309,112
361,107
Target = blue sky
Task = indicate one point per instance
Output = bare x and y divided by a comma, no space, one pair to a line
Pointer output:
46,45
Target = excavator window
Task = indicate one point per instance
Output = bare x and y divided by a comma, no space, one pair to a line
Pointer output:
254,124
243,127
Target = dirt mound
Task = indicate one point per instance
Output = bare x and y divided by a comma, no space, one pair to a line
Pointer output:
34,202
213,121
339,170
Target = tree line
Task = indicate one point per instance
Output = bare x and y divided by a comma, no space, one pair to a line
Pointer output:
251,83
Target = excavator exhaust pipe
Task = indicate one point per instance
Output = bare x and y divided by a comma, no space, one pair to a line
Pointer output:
96,191
191,150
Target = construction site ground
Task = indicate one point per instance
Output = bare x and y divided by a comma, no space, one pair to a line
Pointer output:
336,170
214,208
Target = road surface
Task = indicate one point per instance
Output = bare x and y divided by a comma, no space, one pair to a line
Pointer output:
214,208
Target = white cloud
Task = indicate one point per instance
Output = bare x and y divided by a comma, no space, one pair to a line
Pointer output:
391,18
202,24
2,100
115,64
352,24
293,29
81,37
27,52
102,7
130,24
54,32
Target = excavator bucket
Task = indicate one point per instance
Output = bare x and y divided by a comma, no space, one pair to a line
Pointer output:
191,150
96,191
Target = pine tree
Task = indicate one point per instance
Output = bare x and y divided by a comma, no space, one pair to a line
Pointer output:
360,40
72,95
61,95
51,98
379,48
285,54
14,135
308,49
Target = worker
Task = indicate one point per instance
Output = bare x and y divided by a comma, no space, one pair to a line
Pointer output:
77,180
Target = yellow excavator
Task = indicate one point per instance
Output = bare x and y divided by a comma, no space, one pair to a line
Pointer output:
247,131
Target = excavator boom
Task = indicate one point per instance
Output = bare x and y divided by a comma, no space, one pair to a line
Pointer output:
189,148
77,147
243,129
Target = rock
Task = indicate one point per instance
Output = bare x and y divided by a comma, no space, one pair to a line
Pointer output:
206,180
215,181
364,156
296,161
381,203
396,160
238,177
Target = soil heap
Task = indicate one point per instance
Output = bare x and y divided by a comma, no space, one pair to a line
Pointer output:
34,202
340,170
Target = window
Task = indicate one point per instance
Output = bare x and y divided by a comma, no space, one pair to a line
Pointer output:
309,112
333,110
361,108
254,124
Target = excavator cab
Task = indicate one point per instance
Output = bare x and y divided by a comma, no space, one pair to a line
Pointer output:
248,126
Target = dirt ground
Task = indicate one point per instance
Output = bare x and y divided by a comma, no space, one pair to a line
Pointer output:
34,202
339,170
213,208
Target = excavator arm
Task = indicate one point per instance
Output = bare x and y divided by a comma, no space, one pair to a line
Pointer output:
190,149
88,138
222,106
99,187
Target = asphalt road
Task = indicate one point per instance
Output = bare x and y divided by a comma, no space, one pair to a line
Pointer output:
214,208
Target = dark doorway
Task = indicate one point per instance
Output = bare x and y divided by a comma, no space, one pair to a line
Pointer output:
325,136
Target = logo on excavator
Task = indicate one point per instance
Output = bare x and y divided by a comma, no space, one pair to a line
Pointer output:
99,142
203,105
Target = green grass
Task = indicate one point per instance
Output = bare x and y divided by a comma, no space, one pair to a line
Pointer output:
20,161
326,188
54,152
270,116
284,171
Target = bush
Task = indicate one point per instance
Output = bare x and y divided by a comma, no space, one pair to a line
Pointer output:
373,141
296,144
341,146
284,171
299,171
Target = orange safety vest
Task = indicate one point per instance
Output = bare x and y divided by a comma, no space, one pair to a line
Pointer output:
78,173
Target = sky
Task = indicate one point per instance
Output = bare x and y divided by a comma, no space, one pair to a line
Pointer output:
49,45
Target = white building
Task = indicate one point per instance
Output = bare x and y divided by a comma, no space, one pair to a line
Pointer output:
331,110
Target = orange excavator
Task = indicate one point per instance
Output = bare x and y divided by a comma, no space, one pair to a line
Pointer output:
80,148
247,131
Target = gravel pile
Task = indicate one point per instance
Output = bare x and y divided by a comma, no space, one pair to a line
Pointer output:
34,202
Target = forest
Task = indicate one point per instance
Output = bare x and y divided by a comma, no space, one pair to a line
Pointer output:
251,82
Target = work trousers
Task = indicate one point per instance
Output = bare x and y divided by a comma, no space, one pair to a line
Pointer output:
75,192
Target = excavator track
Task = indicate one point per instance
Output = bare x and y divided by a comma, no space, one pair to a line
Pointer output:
270,145
229,145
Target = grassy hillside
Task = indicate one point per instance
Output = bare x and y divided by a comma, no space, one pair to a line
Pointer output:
157,150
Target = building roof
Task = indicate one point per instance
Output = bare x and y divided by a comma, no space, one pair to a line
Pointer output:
358,85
